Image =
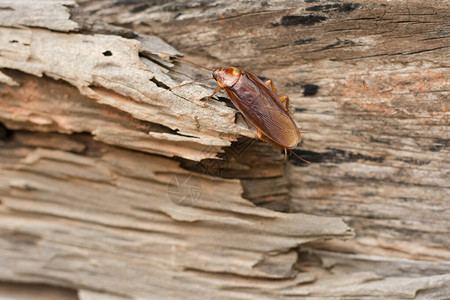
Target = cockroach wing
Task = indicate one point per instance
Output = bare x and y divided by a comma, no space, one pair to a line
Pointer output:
279,128
261,107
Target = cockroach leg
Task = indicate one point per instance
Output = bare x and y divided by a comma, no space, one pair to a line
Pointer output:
285,98
270,83
298,156
260,136
215,92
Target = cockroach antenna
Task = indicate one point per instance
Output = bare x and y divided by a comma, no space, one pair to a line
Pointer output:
257,101
184,84
178,58
296,155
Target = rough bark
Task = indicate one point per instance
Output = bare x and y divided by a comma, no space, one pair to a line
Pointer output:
112,187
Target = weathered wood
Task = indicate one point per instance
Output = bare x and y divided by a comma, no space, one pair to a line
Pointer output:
93,209
113,80
92,151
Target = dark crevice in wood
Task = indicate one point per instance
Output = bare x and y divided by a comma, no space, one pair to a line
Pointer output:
344,7
293,20
107,53
259,166
334,156
5,133
151,57
310,89
439,144
159,83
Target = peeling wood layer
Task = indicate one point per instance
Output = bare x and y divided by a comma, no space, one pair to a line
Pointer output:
123,80
113,206
113,188
368,79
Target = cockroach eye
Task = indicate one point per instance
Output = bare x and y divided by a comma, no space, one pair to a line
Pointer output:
215,74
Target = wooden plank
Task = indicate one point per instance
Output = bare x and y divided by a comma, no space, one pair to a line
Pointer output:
114,190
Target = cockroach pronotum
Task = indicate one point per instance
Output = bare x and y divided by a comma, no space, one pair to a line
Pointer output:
258,104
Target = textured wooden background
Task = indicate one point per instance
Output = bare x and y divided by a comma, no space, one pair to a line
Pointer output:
110,189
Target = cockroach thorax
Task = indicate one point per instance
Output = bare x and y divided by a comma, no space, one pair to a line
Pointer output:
227,77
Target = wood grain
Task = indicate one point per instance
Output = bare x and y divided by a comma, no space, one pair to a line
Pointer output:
112,188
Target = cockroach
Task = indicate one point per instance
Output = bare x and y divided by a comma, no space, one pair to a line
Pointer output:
258,103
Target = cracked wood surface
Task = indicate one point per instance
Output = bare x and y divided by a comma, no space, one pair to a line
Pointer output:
107,218
123,81
92,151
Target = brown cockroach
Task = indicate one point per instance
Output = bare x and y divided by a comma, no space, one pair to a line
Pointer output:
258,103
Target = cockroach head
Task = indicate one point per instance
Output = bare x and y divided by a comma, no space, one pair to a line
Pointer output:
227,77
